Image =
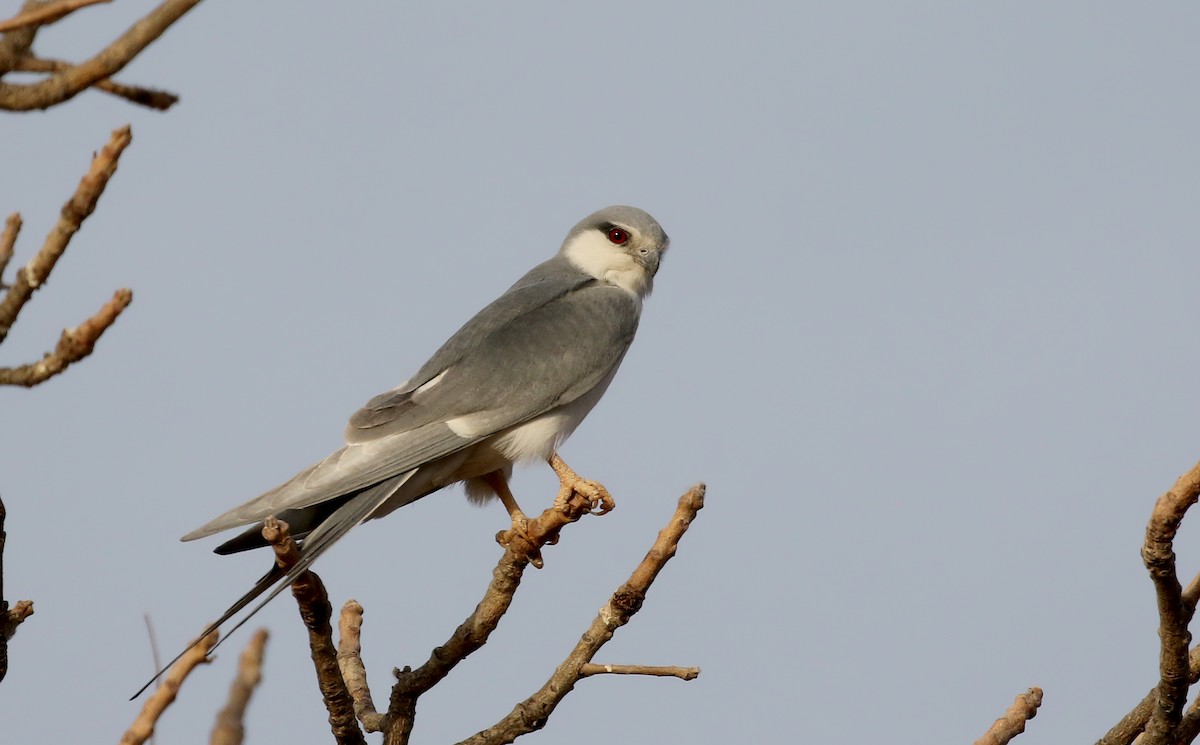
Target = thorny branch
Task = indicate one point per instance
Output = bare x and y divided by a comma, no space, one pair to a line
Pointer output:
68,80
74,344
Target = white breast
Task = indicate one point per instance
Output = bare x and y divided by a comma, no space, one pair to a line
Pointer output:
539,438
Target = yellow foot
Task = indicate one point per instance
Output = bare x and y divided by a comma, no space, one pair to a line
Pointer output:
519,532
571,484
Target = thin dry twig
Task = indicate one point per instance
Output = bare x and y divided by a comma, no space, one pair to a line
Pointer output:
1013,722
81,204
533,713
8,239
354,672
1173,612
660,671
73,345
230,728
14,617
316,611
143,727
46,14
66,84
152,98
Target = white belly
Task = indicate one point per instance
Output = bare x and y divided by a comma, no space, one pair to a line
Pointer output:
539,438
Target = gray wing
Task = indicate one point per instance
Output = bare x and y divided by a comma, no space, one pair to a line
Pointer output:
548,340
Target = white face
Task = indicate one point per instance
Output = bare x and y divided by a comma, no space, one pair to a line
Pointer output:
609,255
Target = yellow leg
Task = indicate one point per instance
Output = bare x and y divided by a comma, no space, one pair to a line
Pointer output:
520,523
571,483
499,484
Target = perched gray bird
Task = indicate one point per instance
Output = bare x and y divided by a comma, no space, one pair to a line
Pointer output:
511,385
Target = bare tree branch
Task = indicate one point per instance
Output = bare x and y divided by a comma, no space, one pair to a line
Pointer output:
521,551
143,727
684,673
1013,722
17,614
532,713
10,618
354,672
1173,613
65,84
81,204
316,611
149,97
229,728
73,345
8,239
1189,727
1131,725
46,14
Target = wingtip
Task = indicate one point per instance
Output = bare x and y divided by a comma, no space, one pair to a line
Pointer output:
197,533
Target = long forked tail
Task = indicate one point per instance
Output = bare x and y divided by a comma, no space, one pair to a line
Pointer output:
351,513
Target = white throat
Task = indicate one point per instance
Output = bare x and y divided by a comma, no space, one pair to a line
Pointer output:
593,253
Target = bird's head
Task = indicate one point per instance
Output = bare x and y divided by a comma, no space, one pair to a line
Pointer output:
621,245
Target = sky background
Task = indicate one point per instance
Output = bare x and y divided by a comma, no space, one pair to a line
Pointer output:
927,330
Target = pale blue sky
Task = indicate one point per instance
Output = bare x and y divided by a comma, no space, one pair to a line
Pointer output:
927,329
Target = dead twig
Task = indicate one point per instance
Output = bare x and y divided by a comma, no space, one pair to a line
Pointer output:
81,204
143,727
149,97
73,344
8,239
66,84
14,617
354,672
1013,722
1173,612
533,713
683,673
230,728
46,14
316,611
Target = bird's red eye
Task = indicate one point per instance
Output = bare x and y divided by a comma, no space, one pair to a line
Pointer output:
618,236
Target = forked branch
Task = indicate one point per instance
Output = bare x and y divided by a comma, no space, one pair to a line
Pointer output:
68,80
77,343
473,633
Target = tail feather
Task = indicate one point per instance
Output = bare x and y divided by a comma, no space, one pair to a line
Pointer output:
350,513
300,522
